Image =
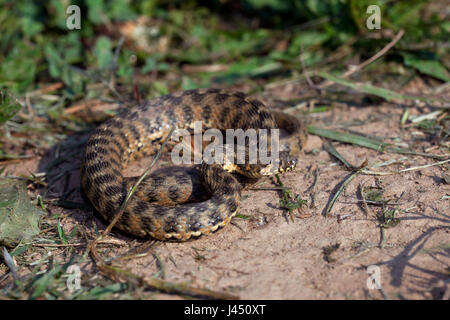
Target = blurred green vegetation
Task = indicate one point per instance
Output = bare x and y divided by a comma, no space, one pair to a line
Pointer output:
256,41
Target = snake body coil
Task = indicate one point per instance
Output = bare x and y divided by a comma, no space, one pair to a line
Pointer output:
162,205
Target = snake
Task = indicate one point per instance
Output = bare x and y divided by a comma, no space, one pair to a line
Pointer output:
182,202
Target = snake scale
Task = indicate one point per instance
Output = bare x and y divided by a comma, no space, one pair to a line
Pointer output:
183,202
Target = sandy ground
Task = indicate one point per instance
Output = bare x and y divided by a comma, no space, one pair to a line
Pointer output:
272,257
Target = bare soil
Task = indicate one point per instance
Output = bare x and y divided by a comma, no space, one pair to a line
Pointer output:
271,256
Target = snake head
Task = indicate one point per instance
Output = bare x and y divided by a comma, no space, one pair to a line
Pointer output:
283,164
287,165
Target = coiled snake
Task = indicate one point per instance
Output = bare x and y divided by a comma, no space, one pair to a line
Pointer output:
166,204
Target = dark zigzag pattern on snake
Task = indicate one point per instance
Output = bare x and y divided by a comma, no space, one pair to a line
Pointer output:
166,205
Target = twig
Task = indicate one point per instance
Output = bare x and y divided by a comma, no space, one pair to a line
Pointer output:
98,78
379,173
308,79
113,66
160,264
368,61
398,36
78,244
312,188
170,287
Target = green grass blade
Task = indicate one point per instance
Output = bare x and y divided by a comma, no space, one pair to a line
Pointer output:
348,138
376,91
331,150
339,191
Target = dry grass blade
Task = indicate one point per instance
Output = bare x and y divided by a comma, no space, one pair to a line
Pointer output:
172,288
420,154
378,173
9,262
